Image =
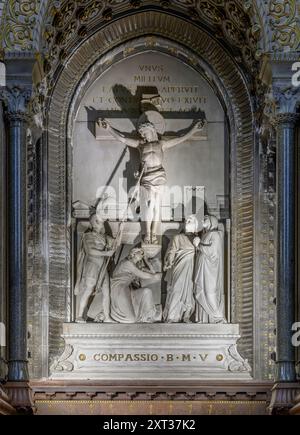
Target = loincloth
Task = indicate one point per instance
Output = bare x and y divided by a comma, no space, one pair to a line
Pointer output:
154,178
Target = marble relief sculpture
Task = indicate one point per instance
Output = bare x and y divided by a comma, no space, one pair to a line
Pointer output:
152,175
92,276
179,262
209,274
130,302
194,266
195,276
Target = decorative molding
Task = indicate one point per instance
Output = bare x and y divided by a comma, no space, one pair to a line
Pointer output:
162,390
258,13
74,22
284,21
27,25
18,23
37,105
37,291
266,253
62,364
237,364
169,404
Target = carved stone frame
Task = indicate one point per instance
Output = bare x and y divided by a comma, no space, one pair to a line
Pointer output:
200,50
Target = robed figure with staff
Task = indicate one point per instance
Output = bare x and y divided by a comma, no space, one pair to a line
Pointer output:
92,276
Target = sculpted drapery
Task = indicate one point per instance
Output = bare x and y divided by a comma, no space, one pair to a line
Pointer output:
209,274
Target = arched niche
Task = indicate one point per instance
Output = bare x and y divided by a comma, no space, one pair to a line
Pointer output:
196,48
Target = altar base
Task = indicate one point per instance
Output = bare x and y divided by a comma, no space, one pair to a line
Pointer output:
150,351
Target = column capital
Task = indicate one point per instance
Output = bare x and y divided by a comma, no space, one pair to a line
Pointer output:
286,98
281,103
16,100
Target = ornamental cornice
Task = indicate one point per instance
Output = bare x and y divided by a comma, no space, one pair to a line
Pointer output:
52,26
271,26
228,20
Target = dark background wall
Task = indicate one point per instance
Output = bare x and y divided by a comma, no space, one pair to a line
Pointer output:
3,298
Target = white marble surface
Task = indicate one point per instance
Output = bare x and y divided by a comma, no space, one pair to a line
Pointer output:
199,161
150,351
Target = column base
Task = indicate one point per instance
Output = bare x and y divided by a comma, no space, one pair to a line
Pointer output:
20,397
283,397
17,370
5,407
285,371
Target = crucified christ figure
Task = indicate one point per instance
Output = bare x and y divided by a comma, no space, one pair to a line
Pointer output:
152,173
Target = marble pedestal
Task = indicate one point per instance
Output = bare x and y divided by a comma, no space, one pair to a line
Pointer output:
150,351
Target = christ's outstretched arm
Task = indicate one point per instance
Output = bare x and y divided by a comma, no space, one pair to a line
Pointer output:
118,135
194,128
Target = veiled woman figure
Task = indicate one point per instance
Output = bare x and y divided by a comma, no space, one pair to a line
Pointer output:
179,262
209,274
131,303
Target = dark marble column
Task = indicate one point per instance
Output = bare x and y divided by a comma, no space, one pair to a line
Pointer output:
16,100
286,200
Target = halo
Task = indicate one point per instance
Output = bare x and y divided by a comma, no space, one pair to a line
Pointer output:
155,118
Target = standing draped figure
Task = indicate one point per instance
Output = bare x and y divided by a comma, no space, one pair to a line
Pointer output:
209,274
179,261
95,250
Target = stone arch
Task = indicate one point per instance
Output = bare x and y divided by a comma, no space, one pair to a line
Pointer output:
204,51
36,21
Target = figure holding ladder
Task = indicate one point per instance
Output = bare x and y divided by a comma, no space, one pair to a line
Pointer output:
96,250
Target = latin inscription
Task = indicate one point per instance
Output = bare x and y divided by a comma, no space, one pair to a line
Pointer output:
149,357
177,97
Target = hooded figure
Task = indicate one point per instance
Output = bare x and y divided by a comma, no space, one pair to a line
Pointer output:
179,264
209,274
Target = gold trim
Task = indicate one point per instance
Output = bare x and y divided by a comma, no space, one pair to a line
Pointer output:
145,402
19,21
284,23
